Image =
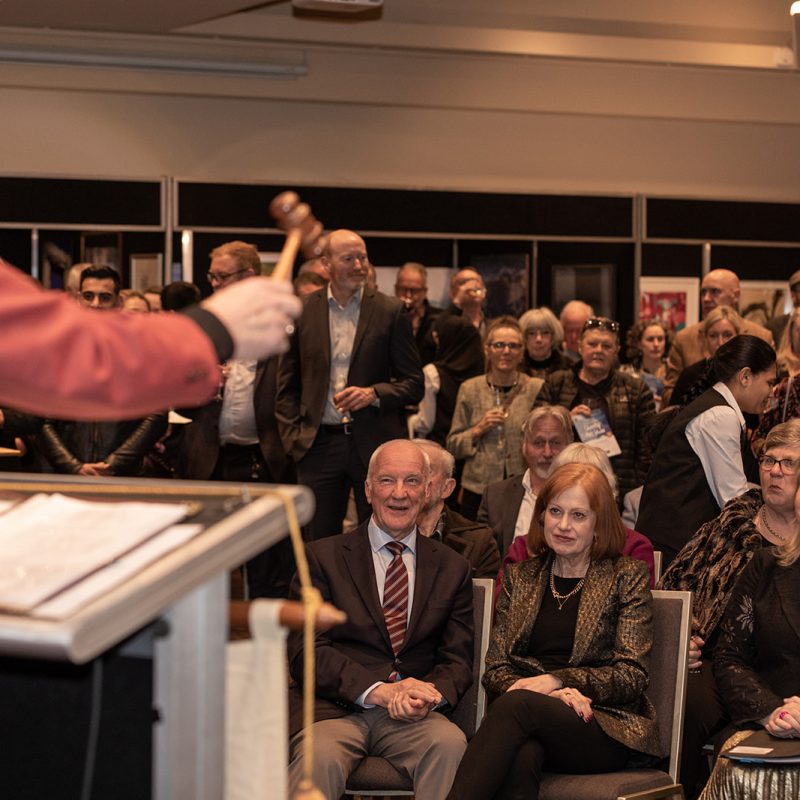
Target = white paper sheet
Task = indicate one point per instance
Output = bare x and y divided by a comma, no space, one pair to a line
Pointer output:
50,542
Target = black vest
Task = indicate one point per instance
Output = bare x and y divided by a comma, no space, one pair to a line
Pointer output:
677,499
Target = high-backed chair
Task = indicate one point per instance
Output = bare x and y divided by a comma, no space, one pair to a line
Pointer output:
672,615
658,557
376,776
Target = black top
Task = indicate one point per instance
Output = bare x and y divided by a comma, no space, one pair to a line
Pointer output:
554,631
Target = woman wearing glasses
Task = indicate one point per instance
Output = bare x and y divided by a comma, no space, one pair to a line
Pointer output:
710,564
487,422
595,385
698,464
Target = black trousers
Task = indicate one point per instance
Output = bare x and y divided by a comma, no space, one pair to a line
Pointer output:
330,468
269,573
524,734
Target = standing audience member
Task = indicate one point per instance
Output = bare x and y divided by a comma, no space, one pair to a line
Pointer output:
467,297
777,324
404,655
100,448
573,317
134,302
179,295
411,286
459,356
473,541
636,545
490,409
720,326
308,282
698,464
594,383
235,436
756,666
709,565
351,368
543,336
569,656
153,296
507,506
720,287
647,342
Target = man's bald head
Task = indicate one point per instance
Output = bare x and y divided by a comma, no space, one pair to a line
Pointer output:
719,288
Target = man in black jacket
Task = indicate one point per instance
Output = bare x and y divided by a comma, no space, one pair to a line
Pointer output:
473,541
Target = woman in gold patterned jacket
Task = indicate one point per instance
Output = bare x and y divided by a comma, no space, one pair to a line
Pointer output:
568,660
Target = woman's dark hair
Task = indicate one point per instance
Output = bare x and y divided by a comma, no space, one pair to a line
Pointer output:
633,339
740,352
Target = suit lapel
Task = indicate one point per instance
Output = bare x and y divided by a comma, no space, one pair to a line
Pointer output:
364,316
357,555
787,584
511,509
428,558
597,587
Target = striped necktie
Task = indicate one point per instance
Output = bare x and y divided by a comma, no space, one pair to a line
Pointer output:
395,597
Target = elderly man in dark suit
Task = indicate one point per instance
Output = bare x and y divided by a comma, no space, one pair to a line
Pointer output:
507,505
404,656
470,539
351,368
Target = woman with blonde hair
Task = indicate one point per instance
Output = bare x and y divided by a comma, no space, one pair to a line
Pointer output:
543,335
568,661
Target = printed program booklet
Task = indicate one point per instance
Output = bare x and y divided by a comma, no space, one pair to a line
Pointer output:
596,431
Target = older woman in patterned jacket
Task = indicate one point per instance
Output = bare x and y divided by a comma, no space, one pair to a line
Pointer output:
568,660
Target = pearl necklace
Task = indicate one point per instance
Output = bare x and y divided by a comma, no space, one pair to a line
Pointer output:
772,532
561,599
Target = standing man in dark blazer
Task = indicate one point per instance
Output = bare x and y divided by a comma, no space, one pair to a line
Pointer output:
404,655
235,436
507,506
351,368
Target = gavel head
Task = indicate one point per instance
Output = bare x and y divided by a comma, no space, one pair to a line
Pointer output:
282,205
291,214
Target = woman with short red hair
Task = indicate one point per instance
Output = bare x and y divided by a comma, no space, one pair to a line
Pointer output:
568,660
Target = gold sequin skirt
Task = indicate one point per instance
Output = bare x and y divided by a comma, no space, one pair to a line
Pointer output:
732,780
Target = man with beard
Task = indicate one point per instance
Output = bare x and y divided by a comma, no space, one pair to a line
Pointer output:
507,506
470,539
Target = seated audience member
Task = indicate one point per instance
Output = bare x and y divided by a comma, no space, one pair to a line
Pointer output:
594,383
153,296
100,448
473,541
710,564
178,295
786,395
720,287
134,302
490,409
543,336
307,282
468,297
507,506
757,669
698,464
459,356
411,286
573,317
647,344
636,545
568,658
404,656
720,326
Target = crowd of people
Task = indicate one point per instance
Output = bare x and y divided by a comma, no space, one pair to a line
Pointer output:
443,446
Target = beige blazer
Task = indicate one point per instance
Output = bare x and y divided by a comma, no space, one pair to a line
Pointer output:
611,651
485,461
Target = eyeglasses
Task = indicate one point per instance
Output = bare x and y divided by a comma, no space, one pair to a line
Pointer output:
788,465
103,297
512,346
221,277
413,291
601,322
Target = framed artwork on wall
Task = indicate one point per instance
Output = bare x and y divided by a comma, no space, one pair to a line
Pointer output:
674,301
760,301
102,248
146,271
595,284
507,279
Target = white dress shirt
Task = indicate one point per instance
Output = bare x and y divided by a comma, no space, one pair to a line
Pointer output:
342,324
237,419
525,507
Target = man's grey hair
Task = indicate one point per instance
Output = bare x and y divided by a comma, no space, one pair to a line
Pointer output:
418,268
435,451
558,413
380,448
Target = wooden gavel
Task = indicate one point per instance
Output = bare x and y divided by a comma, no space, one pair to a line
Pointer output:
303,231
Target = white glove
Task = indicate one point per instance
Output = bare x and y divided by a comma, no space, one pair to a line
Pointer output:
258,314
